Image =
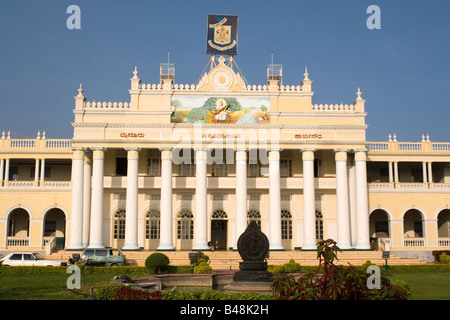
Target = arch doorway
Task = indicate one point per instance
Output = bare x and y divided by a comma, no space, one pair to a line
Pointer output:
55,227
379,224
18,228
443,220
219,230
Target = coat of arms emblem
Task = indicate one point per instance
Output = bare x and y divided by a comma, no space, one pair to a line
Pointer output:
222,34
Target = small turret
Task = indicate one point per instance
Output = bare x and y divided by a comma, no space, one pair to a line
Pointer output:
306,83
79,98
359,102
135,81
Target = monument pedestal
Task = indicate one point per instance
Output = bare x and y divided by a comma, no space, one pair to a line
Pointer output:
253,247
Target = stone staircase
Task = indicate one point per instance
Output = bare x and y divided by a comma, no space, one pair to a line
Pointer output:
229,260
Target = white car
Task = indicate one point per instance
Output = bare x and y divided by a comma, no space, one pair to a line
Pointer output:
29,259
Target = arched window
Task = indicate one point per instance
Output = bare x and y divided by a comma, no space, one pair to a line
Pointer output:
119,224
254,215
185,230
152,224
219,214
286,225
319,225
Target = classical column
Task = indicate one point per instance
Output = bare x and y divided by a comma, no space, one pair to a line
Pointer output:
96,234
241,193
274,201
166,230
2,171
430,173
201,218
36,171
396,172
342,200
42,171
424,172
362,202
309,210
7,172
76,215
131,217
391,174
87,197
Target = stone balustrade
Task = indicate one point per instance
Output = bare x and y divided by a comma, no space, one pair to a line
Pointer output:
37,144
407,147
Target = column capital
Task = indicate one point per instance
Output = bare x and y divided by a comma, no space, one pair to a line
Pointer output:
360,150
340,154
308,149
308,154
132,148
78,153
360,156
241,149
341,150
276,149
98,152
165,148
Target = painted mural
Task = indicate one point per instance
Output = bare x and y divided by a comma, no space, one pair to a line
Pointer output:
220,110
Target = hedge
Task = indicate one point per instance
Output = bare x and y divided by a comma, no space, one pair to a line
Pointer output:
131,271
141,271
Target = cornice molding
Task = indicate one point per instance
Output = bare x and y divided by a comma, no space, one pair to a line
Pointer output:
331,127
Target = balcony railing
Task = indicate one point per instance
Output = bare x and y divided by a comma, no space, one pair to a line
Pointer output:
40,143
34,185
414,242
408,187
444,242
17,242
408,147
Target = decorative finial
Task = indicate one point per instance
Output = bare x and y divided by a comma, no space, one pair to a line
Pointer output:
80,90
3,135
43,135
358,94
135,73
390,137
38,135
428,138
306,74
395,137
423,137
9,135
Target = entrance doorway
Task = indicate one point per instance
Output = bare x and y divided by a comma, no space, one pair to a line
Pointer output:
219,234
55,226
219,230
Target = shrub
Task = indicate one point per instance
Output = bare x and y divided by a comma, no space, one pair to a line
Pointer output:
200,256
202,267
105,293
206,294
333,282
128,293
157,262
292,267
437,253
444,258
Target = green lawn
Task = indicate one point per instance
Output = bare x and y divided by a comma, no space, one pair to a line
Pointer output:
424,284
43,286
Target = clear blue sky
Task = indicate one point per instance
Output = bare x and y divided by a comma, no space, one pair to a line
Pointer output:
403,69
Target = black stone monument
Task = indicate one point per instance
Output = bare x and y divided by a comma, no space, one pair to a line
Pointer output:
253,247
